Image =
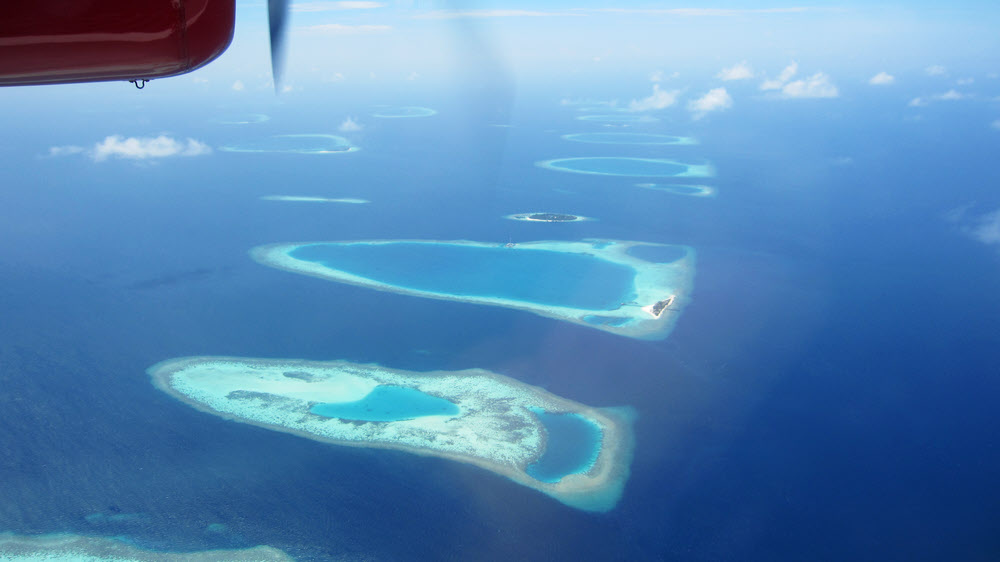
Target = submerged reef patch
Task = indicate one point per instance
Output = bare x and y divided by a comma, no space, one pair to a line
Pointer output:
403,112
78,548
491,421
629,138
295,144
557,279
680,189
307,199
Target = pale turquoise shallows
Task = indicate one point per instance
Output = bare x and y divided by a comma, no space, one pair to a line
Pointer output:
388,403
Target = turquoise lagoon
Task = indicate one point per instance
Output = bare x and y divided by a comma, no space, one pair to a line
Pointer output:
572,445
402,112
295,144
621,166
540,276
628,138
388,403
571,281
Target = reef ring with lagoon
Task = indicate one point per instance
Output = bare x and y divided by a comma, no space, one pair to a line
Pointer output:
491,421
600,284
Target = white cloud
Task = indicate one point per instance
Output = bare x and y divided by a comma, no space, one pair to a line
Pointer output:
951,95
456,14
343,29
335,6
882,79
984,228
413,75
965,81
659,99
656,76
785,76
143,148
816,86
65,150
699,11
996,124
350,126
936,70
741,71
238,85
715,100
917,102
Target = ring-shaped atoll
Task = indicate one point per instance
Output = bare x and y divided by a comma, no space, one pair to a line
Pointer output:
403,112
619,118
681,189
629,138
594,283
547,217
295,144
247,119
309,199
577,454
78,548
632,167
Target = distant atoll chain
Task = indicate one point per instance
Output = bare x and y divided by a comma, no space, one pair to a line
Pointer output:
577,454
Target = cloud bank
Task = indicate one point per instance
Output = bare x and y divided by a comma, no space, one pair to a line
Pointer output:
350,126
882,79
715,100
741,71
660,99
816,86
136,148
785,76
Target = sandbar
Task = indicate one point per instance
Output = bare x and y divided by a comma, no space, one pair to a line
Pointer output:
547,217
495,427
78,548
626,315
681,189
306,199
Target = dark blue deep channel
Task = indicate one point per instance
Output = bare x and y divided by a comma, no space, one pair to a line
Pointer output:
572,445
543,277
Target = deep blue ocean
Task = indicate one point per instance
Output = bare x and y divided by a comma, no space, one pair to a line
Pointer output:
829,393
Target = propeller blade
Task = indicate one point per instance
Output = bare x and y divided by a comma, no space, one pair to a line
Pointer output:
277,16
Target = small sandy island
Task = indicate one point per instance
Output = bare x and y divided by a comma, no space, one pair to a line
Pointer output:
494,424
93,549
547,217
